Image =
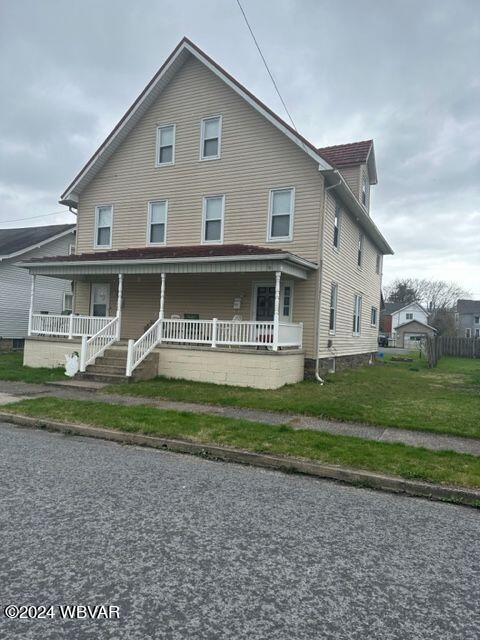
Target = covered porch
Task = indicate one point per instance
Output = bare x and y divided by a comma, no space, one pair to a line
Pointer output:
239,301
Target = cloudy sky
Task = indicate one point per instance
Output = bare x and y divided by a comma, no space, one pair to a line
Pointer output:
404,72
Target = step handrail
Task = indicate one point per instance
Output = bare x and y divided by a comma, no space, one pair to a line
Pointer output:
95,346
139,349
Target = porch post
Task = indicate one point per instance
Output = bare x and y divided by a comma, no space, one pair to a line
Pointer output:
161,313
30,313
276,314
119,303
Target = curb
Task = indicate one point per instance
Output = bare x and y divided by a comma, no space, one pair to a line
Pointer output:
346,475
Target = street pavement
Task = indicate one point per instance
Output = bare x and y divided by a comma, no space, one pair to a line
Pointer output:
193,549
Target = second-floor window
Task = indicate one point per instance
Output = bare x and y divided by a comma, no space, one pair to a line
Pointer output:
477,319
360,249
157,222
336,227
213,212
468,332
165,145
211,138
333,308
373,317
357,315
409,315
477,333
103,226
280,215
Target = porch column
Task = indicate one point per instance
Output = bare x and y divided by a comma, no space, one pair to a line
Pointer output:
30,313
161,313
119,303
276,314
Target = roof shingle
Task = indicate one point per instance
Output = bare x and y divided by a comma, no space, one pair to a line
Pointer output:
345,155
15,240
468,306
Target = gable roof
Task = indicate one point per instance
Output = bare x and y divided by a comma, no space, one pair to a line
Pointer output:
424,324
175,60
468,306
395,307
14,242
351,154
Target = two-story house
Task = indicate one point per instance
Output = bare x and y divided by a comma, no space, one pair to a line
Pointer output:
216,243
405,325
468,318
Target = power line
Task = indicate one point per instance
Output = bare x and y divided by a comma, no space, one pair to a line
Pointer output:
266,66
44,215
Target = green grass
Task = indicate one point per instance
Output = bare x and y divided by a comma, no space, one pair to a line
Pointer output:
442,467
11,368
392,394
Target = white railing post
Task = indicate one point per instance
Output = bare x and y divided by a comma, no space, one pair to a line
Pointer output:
214,332
300,324
83,354
30,313
70,326
119,303
128,372
276,315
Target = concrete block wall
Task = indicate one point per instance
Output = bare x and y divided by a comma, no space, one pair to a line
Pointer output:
42,352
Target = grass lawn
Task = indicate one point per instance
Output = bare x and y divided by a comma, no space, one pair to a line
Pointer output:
394,394
11,368
441,467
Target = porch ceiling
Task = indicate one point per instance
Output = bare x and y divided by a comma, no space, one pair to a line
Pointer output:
203,259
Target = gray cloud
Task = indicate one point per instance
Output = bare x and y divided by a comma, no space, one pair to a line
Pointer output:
403,72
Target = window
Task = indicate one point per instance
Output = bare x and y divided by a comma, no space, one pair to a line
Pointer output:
67,303
409,315
71,249
165,145
157,222
378,264
365,190
287,298
373,317
468,332
333,308
477,319
357,315
477,333
280,215
360,249
213,210
336,227
211,138
103,226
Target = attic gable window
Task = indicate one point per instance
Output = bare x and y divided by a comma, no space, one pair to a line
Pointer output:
211,138
103,226
165,145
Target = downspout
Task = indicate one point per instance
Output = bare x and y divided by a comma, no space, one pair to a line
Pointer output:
320,279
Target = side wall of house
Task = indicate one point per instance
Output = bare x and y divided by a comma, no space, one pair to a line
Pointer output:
340,267
15,285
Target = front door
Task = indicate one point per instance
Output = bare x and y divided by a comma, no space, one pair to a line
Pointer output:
100,300
265,302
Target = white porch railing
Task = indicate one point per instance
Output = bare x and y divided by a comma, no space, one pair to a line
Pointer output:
69,326
95,346
214,333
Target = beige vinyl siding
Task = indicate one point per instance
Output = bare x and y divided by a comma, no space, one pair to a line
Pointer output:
211,296
255,157
341,267
351,175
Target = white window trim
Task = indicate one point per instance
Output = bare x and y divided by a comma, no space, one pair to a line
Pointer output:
333,331
270,283
204,219
288,238
157,145
71,249
339,210
65,294
374,324
202,138
97,210
149,222
359,297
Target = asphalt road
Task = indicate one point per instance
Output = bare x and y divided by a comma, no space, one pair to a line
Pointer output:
188,548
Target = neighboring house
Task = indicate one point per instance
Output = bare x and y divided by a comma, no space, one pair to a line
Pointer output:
52,295
220,242
406,325
468,318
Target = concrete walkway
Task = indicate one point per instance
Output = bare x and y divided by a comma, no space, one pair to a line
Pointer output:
10,391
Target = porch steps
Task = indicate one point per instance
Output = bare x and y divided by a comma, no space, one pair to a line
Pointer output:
110,368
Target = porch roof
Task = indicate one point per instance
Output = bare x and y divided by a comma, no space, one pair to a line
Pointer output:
225,258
